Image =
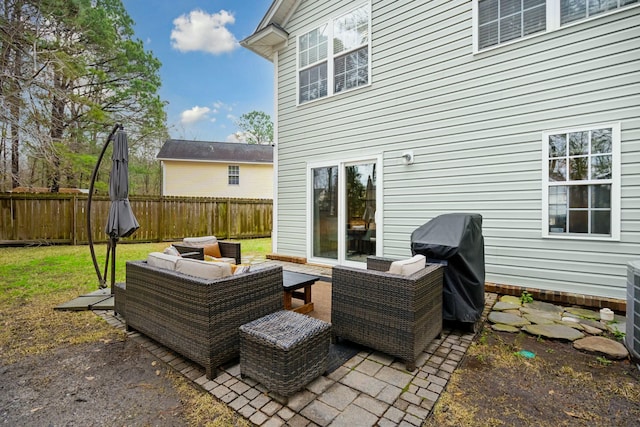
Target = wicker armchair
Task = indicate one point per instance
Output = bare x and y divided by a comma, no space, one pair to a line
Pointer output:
228,249
398,315
199,318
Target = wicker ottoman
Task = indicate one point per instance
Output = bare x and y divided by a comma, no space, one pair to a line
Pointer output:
284,350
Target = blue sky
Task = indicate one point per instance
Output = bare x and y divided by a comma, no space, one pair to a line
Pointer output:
208,79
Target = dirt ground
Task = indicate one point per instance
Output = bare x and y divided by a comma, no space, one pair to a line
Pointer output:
113,383
119,383
560,386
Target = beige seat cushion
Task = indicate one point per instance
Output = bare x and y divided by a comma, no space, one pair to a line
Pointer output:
160,260
203,269
222,259
407,267
199,242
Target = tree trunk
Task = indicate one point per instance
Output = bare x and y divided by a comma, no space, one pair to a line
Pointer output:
57,129
15,120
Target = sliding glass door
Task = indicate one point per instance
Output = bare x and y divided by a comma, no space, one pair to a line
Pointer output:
325,212
360,204
343,212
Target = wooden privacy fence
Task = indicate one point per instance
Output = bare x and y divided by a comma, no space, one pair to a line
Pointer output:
62,218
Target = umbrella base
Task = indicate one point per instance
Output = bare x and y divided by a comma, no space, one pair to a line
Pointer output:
101,299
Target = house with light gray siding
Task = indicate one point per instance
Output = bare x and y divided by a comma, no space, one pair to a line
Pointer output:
390,113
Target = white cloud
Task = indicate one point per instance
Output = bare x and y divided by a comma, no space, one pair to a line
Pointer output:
219,105
193,115
237,137
200,31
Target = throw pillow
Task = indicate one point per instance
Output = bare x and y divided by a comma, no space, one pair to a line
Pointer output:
407,267
242,269
171,250
213,250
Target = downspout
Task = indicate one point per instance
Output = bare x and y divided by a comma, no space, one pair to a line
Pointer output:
274,231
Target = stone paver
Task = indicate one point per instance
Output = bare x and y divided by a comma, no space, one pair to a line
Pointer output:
363,383
395,377
354,415
320,413
370,389
338,396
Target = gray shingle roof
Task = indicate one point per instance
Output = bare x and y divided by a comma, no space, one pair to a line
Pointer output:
180,149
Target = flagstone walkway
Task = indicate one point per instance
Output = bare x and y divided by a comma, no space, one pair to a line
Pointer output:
369,389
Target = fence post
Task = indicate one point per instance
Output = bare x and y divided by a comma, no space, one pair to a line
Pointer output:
228,218
161,219
74,220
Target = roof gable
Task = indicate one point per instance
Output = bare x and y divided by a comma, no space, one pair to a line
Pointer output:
180,149
271,34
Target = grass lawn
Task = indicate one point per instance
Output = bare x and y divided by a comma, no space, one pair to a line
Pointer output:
33,280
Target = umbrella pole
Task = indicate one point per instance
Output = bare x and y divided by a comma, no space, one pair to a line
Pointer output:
113,264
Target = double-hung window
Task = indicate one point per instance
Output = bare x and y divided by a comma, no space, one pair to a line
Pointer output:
334,57
581,182
502,21
234,175
575,10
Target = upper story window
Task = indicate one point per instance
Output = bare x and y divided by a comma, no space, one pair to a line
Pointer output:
234,175
574,10
335,56
582,182
502,21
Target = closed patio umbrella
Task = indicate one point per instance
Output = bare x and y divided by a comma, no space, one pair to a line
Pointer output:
370,202
121,221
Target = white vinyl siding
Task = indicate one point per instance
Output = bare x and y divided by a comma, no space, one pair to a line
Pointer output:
497,22
474,124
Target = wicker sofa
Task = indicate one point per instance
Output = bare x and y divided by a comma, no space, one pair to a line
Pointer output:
398,315
199,318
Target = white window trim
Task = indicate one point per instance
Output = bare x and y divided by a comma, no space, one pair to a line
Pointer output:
331,57
229,175
341,164
553,23
615,183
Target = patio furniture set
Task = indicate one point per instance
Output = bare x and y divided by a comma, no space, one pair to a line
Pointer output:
394,307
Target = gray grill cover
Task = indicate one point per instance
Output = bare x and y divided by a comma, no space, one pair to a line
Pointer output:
456,240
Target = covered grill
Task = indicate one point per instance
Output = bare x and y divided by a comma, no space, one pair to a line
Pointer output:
456,241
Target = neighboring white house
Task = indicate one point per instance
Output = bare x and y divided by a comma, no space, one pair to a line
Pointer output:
526,112
216,169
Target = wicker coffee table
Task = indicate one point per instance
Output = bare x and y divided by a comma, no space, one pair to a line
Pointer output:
284,350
